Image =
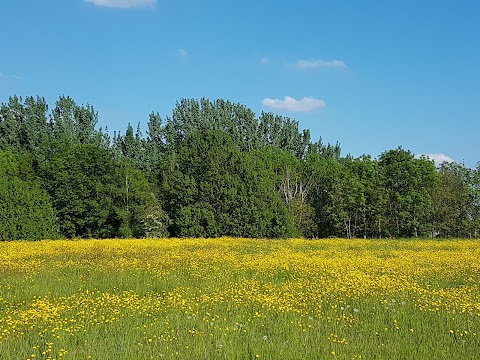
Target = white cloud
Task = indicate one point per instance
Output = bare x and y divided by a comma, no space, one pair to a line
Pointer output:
183,52
291,104
437,158
123,4
315,64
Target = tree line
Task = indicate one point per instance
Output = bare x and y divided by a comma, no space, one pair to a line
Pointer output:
214,168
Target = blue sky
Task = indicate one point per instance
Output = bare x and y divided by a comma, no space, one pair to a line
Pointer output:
372,75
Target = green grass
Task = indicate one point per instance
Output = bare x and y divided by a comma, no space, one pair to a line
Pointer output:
240,299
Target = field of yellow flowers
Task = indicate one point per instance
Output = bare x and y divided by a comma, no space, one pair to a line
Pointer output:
240,299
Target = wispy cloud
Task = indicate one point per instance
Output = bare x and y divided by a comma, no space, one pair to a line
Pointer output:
264,60
317,64
290,104
123,4
182,52
4,76
437,158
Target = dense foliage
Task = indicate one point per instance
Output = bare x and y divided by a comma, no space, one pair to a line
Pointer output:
213,169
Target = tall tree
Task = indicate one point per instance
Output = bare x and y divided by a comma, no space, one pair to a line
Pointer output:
325,172
23,126
293,184
455,201
85,192
71,124
211,189
25,209
134,149
409,183
372,199
96,196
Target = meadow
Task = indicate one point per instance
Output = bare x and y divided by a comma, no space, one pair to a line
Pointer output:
240,299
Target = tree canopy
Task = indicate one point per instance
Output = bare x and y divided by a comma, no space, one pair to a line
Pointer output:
214,168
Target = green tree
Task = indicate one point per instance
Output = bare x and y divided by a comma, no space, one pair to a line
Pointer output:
325,193
96,196
85,192
293,184
139,210
454,201
71,124
133,148
210,189
247,132
409,184
23,126
372,199
25,209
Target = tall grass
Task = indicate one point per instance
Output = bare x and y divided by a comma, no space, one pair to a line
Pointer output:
240,299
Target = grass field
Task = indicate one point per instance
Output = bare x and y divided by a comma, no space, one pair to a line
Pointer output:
240,299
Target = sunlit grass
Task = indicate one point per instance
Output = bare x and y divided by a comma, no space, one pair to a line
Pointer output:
239,299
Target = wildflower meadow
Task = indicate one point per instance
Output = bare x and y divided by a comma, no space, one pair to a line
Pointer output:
232,298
